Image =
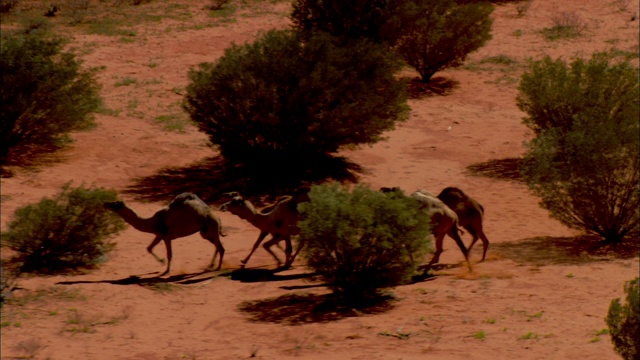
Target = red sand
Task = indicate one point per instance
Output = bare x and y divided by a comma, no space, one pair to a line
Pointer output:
531,299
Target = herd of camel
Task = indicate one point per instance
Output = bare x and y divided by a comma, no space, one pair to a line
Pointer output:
187,214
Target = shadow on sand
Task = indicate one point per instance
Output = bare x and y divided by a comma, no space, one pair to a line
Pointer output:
210,178
262,275
153,281
296,309
500,169
438,85
546,250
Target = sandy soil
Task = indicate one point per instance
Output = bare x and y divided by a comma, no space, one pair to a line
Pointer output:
543,292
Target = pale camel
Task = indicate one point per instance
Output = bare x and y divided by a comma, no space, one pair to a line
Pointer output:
185,215
470,214
279,219
443,220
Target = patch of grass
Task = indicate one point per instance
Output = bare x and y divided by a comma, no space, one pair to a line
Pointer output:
602,332
566,25
5,324
171,122
499,60
491,321
528,336
29,349
126,81
518,33
480,335
570,275
522,7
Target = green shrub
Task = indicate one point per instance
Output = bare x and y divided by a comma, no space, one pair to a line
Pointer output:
429,35
584,161
362,241
284,102
435,35
67,232
623,322
44,94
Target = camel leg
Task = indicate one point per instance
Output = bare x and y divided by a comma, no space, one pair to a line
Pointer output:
167,244
300,244
274,240
255,246
153,244
215,240
453,232
436,255
485,244
287,251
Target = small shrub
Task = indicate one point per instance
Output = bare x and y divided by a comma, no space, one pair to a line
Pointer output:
64,233
362,241
566,25
585,159
44,95
624,323
435,35
522,7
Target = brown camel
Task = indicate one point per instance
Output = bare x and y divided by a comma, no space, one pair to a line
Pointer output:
185,215
279,219
443,222
470,214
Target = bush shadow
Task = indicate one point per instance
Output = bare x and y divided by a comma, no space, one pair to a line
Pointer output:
262,275
438,85
546,250
500,169
298,309
210,178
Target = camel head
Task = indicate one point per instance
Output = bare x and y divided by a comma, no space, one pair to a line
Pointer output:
114,206
238,206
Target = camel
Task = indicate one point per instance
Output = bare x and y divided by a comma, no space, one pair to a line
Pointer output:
279,219
184,216
470,214
444,221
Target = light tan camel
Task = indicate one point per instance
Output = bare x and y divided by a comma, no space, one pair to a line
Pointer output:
443,222
279,219
470,214
185,215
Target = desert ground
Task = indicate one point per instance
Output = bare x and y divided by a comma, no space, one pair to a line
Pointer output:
542,293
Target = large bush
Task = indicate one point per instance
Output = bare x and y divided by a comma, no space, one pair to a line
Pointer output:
69,231
429,35
280,102
434,35
362,241
584,161
44,95
624,323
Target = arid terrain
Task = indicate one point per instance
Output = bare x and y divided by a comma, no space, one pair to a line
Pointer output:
542,293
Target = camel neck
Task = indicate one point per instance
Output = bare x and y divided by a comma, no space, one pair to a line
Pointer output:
139,223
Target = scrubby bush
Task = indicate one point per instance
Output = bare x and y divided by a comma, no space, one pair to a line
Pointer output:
584,160
69,231
429,35
362,241
282,102
44,95
439,34
624,323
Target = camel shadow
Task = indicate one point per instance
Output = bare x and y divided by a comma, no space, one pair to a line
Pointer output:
211,177
438,85
264,275
153,281
500,169
547,250
298,309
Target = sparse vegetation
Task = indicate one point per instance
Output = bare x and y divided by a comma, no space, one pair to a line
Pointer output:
584,160
362,241
566,25
623,321
66,232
